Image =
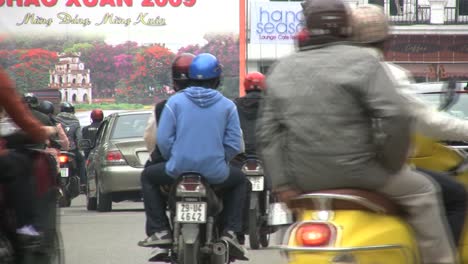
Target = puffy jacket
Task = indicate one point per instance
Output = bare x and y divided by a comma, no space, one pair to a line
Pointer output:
247,107
72,128
90,132
315,129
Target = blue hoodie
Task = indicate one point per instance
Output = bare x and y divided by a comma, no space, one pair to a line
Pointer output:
199,131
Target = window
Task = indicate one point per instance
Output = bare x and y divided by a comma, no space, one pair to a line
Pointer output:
463,7
128,126
396,6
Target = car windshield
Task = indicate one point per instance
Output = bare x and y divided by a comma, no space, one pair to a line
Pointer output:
459,109
128,126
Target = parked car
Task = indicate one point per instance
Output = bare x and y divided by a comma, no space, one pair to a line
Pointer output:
116,160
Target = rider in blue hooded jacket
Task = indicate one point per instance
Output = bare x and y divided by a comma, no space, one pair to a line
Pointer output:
199,131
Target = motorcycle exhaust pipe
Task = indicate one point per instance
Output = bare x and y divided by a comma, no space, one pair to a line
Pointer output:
219,254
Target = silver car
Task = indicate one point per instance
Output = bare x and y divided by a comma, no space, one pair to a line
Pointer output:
116,160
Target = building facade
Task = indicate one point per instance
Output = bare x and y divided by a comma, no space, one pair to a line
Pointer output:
72,79
428,37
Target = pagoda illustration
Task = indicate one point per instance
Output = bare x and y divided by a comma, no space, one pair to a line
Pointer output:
71,78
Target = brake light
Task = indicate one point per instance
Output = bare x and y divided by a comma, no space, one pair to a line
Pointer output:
313,234
191,186
63,159
252,167
115,157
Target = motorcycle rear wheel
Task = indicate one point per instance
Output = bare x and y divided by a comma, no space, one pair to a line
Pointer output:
188,254
254,229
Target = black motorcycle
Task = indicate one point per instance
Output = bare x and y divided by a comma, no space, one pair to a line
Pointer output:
69,181
195,216
258,229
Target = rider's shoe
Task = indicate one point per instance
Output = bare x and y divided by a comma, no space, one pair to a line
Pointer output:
235,248
157,239
28,237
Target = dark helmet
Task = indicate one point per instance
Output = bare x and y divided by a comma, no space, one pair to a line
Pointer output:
97,115
180,70
180,66
46,107
67,107
205,66
31,100
327,18
254,81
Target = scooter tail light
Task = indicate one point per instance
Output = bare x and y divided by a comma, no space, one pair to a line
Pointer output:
63,159
314,234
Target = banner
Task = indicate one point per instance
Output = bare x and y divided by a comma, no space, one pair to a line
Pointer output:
275,22
117,50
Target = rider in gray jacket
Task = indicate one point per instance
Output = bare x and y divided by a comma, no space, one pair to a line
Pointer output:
316,128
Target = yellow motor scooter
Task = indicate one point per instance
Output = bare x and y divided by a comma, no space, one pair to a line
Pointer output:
348,226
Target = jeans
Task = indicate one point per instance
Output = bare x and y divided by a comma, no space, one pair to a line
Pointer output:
153,176
454,199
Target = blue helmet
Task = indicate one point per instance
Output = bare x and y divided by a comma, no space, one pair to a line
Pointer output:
205,66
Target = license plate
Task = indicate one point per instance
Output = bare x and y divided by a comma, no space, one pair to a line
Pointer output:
143,156
64,172
190,212
257,183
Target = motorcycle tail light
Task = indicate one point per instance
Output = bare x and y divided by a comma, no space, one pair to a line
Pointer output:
115,157
252,167
63,159
313,234
191,186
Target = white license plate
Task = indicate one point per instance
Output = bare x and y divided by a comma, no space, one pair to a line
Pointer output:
257,183
191,212
64,172
143,156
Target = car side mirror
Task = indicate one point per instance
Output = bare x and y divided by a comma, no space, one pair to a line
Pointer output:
85,144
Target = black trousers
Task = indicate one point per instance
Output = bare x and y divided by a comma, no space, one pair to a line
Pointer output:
454,197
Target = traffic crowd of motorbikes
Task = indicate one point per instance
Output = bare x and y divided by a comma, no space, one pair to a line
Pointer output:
332,132
42,168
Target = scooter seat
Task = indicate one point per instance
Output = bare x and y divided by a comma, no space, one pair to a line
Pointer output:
345,199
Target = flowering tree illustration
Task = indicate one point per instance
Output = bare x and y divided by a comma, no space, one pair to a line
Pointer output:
29,68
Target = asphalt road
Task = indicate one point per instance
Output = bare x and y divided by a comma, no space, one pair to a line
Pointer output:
111,238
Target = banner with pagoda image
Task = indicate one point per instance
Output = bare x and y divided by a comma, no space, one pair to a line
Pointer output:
113,51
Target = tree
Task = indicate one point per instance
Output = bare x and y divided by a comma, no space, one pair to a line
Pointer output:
226,48
32,68
152,72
